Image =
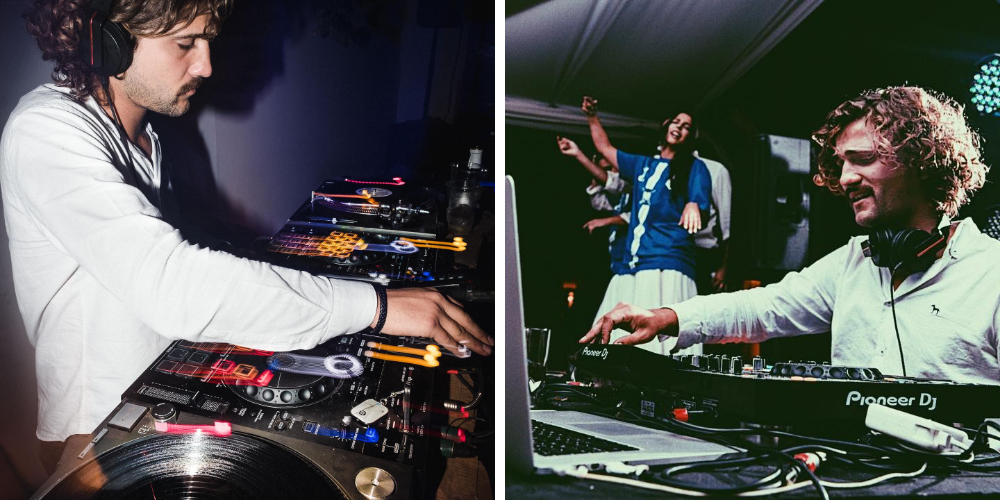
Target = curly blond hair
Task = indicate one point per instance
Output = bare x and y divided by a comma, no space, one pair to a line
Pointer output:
918,129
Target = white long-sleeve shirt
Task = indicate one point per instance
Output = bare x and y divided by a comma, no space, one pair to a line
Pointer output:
103,283
721,211
605,197
948,316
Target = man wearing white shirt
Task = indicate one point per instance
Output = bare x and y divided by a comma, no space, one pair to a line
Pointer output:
918,297
103,280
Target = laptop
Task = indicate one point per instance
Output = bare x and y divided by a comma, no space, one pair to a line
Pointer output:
554,440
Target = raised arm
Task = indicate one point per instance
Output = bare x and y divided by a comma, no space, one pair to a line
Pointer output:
569,148
597,133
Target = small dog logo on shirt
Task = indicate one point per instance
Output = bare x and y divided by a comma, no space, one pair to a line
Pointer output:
934,310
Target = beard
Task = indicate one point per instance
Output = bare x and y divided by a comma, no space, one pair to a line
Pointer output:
158,98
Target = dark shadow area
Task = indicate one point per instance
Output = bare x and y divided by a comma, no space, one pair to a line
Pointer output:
247,56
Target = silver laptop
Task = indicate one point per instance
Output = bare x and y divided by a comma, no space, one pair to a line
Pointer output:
547,440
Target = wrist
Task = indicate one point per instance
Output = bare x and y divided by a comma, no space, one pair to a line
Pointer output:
381,309
667,322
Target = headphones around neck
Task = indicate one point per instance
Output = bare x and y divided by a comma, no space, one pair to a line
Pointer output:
908,249
105,46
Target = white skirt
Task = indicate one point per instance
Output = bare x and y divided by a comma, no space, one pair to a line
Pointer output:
650,289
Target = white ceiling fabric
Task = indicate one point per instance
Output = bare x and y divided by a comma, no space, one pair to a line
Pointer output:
641,58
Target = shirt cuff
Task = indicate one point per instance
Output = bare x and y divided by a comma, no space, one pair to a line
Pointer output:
354,305
626,216
592,189
691,330
614,184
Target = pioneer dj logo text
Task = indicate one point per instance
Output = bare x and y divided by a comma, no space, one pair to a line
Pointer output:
597,353
924,400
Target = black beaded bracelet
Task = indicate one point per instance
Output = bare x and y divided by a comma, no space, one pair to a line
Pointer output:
383,305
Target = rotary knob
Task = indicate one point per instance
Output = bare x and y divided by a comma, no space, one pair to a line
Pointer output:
164,412
375,483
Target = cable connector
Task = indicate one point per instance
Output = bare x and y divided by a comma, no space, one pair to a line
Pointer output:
811,461
684,414
625,469
917,431
451,449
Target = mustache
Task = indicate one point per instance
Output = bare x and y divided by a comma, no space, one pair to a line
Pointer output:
857,190
193,84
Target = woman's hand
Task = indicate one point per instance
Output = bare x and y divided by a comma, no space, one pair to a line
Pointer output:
691,218
567,147
593,224
589,106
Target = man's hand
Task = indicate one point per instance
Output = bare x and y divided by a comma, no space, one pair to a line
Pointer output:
567,147
644,324
589,106
417,312
719,280
691,218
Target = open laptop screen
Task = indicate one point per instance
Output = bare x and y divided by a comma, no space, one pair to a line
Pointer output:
517,420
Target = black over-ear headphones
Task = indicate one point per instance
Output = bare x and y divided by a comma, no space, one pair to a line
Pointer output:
105,46
911,250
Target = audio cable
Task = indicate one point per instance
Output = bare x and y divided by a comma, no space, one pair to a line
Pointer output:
895,325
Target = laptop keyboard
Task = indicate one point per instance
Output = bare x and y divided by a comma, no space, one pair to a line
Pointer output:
550,440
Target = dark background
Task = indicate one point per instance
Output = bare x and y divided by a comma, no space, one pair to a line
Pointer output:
843,48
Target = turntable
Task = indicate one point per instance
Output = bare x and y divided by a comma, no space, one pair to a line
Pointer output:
209,420
378,207
382,231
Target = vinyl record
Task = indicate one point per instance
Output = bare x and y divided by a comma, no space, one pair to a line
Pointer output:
196,466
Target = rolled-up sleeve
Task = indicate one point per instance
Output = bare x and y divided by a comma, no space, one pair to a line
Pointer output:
801,303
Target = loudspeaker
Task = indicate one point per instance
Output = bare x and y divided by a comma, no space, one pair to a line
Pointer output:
910,250
105,46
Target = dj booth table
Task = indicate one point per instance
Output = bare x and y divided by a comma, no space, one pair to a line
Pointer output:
820,403
958,484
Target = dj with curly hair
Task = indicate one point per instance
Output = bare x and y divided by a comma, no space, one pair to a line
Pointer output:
103,280
897,300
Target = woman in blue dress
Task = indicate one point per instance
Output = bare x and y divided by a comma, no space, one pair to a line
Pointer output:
670,193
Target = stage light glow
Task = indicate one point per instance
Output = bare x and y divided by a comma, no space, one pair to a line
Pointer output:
396,181
985,88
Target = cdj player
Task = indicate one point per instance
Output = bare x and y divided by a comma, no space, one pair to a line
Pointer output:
353,418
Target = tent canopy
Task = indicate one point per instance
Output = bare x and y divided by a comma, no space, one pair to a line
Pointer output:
643,59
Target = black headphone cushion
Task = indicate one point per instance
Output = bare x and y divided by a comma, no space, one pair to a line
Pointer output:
906,248
113,53
117,48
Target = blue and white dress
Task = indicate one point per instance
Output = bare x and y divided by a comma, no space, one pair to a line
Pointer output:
658,267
